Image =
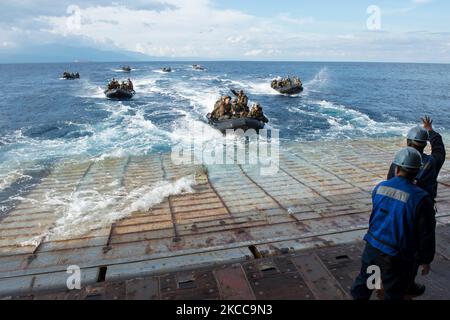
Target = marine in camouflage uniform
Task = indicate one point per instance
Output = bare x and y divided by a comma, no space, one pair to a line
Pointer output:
297,81
240,107
257,113
222,109
242,99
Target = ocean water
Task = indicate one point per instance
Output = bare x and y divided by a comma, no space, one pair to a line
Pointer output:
44,119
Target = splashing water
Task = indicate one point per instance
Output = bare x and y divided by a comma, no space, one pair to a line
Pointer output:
83,211
320,80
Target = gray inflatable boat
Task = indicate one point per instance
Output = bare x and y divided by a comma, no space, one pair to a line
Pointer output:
289,90
237,123
294,86
71,76
119,94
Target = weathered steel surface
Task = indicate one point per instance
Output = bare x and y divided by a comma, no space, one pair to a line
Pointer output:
322,284
195,285
343,262
438,281
276,279
317,273
142,289
442,244
320,197
233,284
184,260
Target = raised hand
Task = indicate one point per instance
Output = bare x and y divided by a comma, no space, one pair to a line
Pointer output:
427,123
425,269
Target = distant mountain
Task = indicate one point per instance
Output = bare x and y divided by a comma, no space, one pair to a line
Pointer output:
66,53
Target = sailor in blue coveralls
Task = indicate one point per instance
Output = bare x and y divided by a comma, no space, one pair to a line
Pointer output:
427,177
401,231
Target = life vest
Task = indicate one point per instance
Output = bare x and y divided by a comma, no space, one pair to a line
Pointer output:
392,223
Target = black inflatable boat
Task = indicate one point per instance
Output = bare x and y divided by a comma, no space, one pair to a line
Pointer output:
287,85
126,69
166,69
289,90
234,124
71,76
198,67
119,94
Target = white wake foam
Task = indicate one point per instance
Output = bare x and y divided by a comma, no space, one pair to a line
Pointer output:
347,122
89,90
84,211
7,178
125,131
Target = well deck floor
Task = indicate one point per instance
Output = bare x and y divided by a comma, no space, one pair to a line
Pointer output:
235,220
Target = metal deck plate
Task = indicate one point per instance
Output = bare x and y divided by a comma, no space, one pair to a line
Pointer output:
319,198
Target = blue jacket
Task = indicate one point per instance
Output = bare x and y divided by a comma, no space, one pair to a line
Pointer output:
394,227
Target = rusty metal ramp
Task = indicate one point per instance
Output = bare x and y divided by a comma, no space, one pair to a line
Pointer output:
325,273
122,218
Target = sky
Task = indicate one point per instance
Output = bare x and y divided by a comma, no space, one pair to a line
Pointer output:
313,30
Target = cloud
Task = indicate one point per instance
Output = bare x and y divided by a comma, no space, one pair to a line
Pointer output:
8,44
414,4
297,21
347,37
187,29
22,9
196,28
238,39
253,52
190,28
